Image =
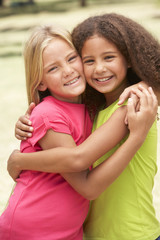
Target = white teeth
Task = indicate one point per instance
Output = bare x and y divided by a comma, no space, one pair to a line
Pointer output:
73,81
102,79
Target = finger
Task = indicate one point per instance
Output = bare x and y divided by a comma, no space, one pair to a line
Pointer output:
23,131
154,98
126,93
23,134
141,94
143,84
124,96
30,109
126,120
152,102
147,96
138,106
25,120
151,99
20,138
23,127
130,109
135,99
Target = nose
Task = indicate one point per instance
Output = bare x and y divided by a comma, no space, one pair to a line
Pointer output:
100,67
67,70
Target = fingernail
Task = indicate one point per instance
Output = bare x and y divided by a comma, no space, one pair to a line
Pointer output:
29,122
31,129
29,134
130,100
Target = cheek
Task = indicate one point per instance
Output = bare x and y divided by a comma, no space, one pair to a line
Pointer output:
54,80
123,71
79,65
121,68
87,72
124,66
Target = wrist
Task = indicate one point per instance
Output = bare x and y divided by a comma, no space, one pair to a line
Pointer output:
137,139
18,161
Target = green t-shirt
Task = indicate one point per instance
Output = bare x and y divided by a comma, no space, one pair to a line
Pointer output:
124,211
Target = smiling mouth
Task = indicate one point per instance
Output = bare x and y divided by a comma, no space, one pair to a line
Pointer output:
103,79
72,81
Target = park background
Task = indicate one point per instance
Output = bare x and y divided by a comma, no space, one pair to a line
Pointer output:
16,18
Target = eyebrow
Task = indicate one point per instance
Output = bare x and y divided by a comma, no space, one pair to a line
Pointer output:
50,65
89,56
54,63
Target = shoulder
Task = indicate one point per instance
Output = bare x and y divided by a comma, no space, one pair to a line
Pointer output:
49,111
48,107
45,105
114,109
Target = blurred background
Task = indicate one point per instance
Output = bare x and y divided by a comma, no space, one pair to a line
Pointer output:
16,18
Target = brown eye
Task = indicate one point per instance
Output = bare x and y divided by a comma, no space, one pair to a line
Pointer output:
109,57
89,61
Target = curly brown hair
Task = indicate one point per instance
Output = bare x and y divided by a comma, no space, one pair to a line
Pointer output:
136,44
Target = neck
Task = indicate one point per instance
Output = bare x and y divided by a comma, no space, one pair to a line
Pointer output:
157,92
115,94
77,99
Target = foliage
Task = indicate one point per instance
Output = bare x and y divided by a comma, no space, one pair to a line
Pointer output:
57,6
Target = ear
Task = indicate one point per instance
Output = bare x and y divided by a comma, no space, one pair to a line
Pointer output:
42,87
129,65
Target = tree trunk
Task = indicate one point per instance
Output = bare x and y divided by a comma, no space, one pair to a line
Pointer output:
1,3
83,3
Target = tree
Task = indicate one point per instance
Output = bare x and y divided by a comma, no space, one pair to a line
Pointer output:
31,1
1,3
83,3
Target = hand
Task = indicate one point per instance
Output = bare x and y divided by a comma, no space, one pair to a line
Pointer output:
12,167
136,104
140,122
23,128
127,92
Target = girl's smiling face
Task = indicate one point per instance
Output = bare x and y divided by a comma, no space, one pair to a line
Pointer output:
62,71
105,67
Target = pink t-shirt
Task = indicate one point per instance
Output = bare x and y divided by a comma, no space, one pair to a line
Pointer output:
44,206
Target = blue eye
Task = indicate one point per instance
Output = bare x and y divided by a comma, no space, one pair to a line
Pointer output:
52,69
72,58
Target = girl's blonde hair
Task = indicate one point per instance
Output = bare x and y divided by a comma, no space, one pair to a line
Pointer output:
33,50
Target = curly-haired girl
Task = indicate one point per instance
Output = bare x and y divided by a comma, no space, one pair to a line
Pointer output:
125,210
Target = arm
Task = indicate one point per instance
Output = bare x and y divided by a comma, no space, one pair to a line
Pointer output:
126,93
75,159
23,128
72,159
91,184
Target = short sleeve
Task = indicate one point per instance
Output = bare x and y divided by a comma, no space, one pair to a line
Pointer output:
45,120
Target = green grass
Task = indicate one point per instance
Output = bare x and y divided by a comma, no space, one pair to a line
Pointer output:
14,25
